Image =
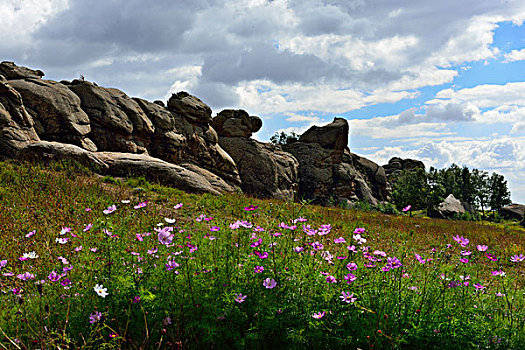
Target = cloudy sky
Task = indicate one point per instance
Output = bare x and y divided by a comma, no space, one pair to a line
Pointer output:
440,81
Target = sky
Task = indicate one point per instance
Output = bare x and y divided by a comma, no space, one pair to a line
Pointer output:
439,81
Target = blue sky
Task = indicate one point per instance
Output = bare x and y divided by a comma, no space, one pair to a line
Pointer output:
443,82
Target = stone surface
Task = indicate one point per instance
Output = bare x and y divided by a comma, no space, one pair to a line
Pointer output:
56,111
266,171
11,71
190,107
396,165
513,211
450,208
16,125
117,121
327,173
236,123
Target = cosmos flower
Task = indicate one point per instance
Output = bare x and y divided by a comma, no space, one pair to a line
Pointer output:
339,240
95,317
61,240
251,207
482,248
407,208
318,315
54,276
65,230
258,269
140,205
25,276
101,291
30,233
240,298
347,297
110,209
517,258
269,283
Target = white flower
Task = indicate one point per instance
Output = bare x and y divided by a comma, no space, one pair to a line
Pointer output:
125,201
169,221
61,240
30,255
101,290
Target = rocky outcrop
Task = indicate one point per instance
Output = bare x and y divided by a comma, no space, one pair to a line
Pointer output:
11,71
117,122
452,208
396,166
513,211
16,125
236,123
190,107
56,111
327,173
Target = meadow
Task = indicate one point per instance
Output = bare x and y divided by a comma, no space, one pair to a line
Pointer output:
102,263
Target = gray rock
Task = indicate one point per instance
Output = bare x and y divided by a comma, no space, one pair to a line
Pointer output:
16,125
117,121
190,107
11,71
56,111
236,123
450,208
396,165
333,136
266,171
513,211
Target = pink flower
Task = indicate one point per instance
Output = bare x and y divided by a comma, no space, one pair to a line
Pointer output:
318,315
54,276
517,258
88,227
359,230
420,259
347,297
258,269
407,208
79,248
178,206
165,237
351,266
25,276
464,260
339,240
139,237
140,205
466,252
350,278
482,248
251,208
240,298
110,209
331,279
269,283
479,286
30,233
461,240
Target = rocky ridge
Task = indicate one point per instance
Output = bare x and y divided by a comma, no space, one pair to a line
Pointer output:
179,143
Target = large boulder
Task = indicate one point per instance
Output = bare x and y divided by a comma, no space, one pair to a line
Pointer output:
56,111
452,207
236,123
11,71
16,125
266,171
513,212
117,121
327,173
191,107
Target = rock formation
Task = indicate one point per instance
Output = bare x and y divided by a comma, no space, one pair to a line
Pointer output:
513,212
396,166
452,207
177,143
327,173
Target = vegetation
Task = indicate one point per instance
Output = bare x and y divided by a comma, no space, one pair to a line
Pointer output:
104,263
284,138
425,190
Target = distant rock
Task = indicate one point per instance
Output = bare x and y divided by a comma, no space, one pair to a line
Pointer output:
191,107
452,207
16,125
236,123
11,71
513,212
396,165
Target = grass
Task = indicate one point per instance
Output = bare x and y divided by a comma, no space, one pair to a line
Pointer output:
203,280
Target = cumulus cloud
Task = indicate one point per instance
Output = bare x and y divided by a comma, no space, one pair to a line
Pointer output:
514,55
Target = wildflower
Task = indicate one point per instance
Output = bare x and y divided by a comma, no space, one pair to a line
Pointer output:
3,263
517,258
420,259
25,276
466,252
251,208
65,230
317,246
95,317
113,335
414,288
125,201
339,240
65,282
62,240
393,262
88,227
359,230
258,269
498,273
351,266
100,290
318,315
256,243
491,257
165,237
166,321
215,228
407,208
240,298
140,205
482,248
461,240
347,297
499,294
331,279
352,248
110,209
299,219
359,239
178,206
30,233
63,260
135,299
87,209
298,249
54,276
171,265
263,255
79,248
30,255
269,283
170,221
386,268
152,251
479,286
464,260
350,278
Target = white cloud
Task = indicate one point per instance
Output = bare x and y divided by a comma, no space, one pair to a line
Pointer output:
515,55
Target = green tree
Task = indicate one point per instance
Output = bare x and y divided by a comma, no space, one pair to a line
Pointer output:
499,192
283,138
480,181
410,188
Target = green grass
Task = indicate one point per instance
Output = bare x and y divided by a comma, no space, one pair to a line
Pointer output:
193,304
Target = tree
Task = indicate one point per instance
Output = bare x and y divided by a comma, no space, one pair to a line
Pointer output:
284,138
499,192
480,180
410,188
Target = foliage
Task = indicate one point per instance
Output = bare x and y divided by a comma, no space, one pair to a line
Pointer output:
229,272
284,138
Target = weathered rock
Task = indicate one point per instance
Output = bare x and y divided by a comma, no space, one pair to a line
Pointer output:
513,211
236,123
154,169
49,151
178,139
16,125
327,173
56,111
117,121
396,165
265,170
11,71
450,208
190,107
